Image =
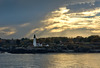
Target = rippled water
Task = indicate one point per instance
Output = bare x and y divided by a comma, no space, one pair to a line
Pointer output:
60,60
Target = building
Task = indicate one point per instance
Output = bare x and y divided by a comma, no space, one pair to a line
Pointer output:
34,41
35,44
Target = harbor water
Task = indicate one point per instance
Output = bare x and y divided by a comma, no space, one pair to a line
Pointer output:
51,60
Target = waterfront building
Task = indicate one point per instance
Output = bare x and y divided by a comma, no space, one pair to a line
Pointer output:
47,45
34,41
38,44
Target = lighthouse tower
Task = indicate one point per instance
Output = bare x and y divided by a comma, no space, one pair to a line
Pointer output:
34,41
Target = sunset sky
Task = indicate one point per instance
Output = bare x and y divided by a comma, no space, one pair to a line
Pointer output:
49,18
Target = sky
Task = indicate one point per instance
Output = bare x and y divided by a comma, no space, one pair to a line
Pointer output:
49,18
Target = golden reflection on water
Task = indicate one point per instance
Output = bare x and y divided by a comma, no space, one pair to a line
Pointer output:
55,60
74,61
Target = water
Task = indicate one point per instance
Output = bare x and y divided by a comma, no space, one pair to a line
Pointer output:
60,60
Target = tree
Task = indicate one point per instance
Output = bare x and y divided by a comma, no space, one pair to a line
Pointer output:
94,38
17,41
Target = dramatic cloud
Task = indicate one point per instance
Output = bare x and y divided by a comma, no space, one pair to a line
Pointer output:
73,2
60,20
24,25
96,31
6,31
23,18
34,31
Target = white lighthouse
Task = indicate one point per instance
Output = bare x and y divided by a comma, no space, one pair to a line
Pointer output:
34,41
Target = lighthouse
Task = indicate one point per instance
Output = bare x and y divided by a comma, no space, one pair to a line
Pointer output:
34,41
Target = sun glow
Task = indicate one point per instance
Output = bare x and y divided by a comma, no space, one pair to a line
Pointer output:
61,18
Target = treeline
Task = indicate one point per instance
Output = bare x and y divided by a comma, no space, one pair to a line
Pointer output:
24,42
57,40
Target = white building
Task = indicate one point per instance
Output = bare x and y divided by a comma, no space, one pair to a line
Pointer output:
38,44
34,41
47,45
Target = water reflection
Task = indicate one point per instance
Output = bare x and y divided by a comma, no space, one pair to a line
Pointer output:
50,60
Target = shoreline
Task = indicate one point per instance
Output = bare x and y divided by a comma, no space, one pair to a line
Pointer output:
54,53
44,51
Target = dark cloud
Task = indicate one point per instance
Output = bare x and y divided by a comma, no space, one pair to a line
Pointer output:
21,11
83,6
14,13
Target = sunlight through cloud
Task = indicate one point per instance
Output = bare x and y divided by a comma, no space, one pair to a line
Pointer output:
65,20
7,31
